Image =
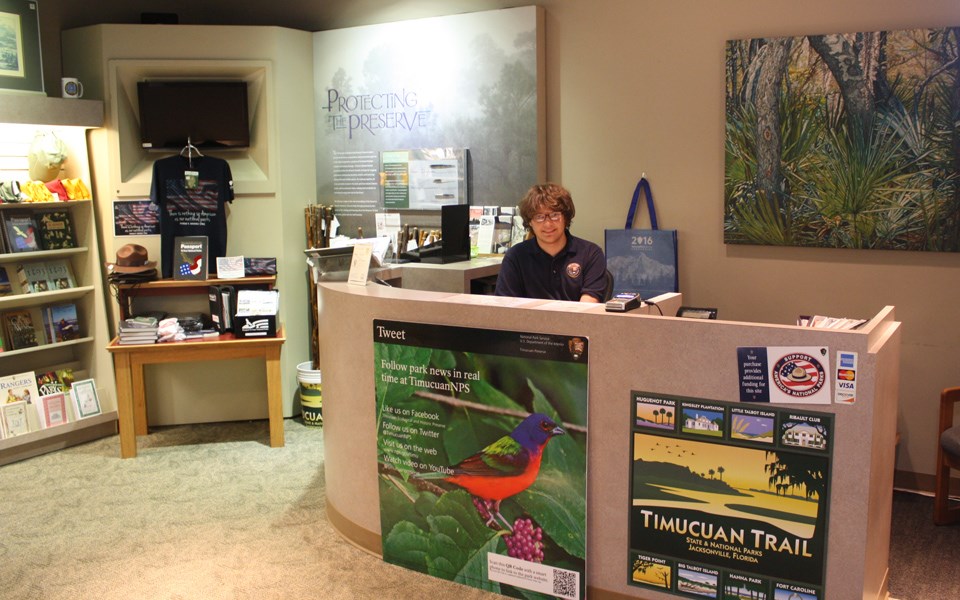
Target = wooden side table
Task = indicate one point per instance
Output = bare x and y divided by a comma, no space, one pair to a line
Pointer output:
129,360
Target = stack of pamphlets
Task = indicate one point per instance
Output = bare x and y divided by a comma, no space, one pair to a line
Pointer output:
823,322
138,330
257,302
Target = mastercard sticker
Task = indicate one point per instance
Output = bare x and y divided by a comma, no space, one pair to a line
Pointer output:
845,387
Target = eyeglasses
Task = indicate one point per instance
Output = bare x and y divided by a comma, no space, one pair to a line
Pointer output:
540,218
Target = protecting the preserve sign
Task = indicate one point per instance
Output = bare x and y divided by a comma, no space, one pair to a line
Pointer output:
728,501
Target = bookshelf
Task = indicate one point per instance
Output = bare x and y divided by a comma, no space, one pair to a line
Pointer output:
21,118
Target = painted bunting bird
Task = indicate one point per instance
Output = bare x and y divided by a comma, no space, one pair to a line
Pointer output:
505,467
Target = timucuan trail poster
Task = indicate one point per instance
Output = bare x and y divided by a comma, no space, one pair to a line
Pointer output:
728,501
482,456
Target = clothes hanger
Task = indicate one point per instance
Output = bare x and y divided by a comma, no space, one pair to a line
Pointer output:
190,149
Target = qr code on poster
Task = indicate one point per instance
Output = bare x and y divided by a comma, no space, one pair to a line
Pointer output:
565,583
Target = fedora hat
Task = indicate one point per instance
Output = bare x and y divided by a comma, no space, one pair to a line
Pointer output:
131,258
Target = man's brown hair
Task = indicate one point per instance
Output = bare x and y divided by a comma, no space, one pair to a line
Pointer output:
550,196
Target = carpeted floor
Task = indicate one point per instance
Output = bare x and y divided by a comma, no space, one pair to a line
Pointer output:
212,512
924,558
203,512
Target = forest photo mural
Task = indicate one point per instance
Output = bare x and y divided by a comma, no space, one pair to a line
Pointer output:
844,141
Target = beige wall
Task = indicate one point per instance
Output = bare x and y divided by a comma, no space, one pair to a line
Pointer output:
637,86
265,219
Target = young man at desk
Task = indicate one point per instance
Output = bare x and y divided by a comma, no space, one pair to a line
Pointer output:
553,264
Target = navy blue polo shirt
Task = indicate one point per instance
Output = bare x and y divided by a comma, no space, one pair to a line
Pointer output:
529,272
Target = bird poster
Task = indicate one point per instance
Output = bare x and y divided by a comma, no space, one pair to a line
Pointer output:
482,440
728,500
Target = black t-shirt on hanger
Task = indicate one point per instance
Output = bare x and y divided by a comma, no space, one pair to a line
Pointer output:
197,209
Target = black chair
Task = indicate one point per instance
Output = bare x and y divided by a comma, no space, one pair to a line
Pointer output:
948,457
608,290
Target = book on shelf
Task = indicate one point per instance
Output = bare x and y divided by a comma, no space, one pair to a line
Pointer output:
139,323
190,257
66,376
52,409
4,244
136,342
48,383
32,277
824,322
6,288
19,387
86,402
20,329
143,329
21,231
53,380
139,333
60,323
59,274
14,419
56,230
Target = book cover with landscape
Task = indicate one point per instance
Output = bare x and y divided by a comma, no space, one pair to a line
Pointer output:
60,323
728,501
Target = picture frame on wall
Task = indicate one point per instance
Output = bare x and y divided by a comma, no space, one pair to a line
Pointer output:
20,64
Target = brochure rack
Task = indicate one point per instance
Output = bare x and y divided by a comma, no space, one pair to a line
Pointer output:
69,119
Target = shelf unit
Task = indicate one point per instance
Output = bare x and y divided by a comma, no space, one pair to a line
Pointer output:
184,287
20,119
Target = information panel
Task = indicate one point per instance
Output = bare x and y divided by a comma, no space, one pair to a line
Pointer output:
728,501
481,446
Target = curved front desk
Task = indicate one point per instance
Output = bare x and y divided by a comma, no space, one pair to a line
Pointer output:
631,351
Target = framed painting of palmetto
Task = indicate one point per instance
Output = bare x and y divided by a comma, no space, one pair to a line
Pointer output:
844,141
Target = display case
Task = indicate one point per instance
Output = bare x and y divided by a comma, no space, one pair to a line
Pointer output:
82,346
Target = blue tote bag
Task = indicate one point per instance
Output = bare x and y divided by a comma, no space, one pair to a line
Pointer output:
642,261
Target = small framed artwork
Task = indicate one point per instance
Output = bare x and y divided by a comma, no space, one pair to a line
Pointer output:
20,66
85,399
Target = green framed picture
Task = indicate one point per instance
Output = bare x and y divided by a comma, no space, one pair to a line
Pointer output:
20,64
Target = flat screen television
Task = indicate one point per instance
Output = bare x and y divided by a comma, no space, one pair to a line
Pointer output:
212,114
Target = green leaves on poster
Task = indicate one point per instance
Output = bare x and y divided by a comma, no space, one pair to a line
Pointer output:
559,509
453,545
